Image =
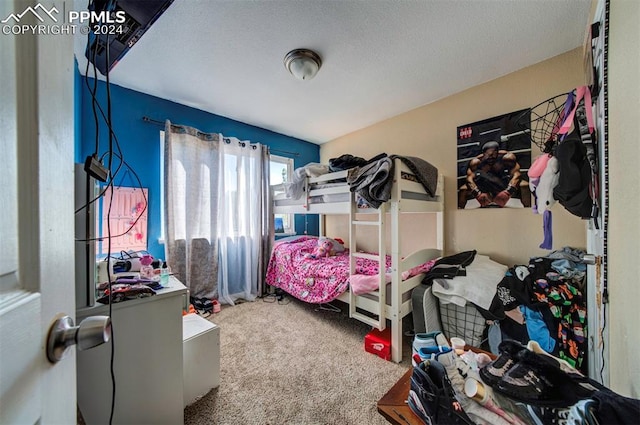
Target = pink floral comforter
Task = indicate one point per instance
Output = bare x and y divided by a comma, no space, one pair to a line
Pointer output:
317,280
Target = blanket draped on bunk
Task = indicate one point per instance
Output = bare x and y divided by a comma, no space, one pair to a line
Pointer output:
373,181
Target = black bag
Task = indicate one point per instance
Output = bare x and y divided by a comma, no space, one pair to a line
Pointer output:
577,188
572,190
432,398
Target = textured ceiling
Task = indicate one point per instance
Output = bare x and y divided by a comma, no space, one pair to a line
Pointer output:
380,57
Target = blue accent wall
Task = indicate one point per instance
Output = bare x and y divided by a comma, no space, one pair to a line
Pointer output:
140,141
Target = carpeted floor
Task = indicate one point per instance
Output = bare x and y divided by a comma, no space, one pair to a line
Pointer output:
294,364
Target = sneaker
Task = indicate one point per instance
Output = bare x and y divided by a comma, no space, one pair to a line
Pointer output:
538,380
547,381
429,353
424,340
583,413
569,377
216,306
202,304
525,383
492,373
550,416
432,398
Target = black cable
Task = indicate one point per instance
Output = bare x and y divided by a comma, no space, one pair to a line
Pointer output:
110,185
101,194
93,104
109,119
88,267
112,357
110,175
119,155
109,122
604,324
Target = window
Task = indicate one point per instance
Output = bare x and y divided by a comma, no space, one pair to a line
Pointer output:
280,171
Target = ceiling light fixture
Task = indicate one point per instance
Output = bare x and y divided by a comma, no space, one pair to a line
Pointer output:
302,63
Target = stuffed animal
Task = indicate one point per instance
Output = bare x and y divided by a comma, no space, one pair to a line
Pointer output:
323,249
543,191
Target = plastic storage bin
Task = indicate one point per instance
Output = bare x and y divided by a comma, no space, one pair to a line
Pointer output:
200,356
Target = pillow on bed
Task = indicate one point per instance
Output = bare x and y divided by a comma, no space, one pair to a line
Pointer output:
338,244
313,169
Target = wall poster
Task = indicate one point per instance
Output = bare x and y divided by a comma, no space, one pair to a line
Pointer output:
494,156
127,219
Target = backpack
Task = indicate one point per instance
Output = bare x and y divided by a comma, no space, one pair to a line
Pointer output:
572,190
577,188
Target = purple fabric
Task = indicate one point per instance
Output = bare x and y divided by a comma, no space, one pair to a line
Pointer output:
534,183
547,243
568,105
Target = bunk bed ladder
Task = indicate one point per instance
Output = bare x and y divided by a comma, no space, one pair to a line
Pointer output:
354,223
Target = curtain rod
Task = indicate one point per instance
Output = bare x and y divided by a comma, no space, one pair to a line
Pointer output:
147,119
161,123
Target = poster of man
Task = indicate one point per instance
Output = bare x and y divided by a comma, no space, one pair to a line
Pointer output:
494,156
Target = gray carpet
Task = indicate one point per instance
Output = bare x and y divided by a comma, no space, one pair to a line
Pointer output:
294,364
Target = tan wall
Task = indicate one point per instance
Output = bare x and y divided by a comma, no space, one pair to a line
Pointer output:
624,197
509,236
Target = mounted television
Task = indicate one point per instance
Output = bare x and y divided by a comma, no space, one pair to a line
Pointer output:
122,36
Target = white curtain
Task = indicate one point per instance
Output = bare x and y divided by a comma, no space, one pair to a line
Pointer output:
217,209
243,219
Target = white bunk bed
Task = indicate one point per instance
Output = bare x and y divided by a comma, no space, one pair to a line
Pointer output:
391,301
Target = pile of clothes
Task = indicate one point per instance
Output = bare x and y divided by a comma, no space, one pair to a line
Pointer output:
524,385
543,301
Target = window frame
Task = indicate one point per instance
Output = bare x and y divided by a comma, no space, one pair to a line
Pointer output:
289,228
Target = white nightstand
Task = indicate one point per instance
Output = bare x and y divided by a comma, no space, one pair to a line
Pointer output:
201,356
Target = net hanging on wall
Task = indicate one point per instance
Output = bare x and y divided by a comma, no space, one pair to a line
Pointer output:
544,120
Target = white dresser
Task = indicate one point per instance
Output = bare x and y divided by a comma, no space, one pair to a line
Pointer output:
148,362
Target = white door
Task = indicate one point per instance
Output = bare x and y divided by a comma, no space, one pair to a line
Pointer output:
36,221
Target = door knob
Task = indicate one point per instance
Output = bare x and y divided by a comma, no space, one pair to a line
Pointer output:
93,331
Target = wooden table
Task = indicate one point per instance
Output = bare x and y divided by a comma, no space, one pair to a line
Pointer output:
393,405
